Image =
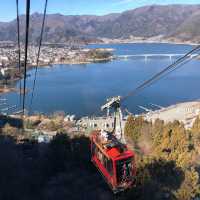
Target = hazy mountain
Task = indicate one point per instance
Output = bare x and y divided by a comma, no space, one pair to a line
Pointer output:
189,29
180,22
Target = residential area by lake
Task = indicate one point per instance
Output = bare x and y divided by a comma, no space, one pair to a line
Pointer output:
80,89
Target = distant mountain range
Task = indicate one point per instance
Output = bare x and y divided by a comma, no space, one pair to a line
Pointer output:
171,22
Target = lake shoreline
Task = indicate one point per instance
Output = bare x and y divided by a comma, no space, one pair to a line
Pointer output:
147,41
87,60
81,87
5,90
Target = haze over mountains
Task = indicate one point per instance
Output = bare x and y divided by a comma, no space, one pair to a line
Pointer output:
172,22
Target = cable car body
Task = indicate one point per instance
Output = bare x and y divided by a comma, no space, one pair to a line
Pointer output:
113,159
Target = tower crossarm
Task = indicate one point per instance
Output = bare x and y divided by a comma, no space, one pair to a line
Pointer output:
113,102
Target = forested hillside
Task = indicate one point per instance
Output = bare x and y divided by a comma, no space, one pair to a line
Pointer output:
167,158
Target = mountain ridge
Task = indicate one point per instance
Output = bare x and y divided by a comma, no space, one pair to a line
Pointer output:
172,22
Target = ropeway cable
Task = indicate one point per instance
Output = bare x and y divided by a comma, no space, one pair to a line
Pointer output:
19,49
38,55
159,75
26,52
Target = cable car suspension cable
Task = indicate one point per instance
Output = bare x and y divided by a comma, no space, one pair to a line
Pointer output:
19,48
38,53
26,52
159,75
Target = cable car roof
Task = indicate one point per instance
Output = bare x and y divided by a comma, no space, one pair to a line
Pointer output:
112,149
114,153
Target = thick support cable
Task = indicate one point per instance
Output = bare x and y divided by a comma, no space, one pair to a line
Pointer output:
18,36
161,73
19,48
26,51
38,54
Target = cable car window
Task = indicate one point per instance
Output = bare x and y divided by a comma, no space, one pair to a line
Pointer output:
124,169
107,163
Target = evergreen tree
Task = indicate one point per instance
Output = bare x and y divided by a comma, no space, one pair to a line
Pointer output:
190,187
135,127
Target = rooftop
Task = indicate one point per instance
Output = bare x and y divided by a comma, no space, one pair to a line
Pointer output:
108,143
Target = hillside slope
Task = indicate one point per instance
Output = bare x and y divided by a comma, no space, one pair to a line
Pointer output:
175,22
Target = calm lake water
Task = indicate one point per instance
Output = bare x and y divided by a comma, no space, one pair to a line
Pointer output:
82,89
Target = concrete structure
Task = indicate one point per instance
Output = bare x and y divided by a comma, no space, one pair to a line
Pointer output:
146,56
184,112
98,123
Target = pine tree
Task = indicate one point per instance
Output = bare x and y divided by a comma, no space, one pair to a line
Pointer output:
134,127
190,187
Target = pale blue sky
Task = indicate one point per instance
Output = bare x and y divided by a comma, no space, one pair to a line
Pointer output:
74,7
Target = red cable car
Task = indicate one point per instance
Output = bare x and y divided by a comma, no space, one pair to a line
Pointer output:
112,158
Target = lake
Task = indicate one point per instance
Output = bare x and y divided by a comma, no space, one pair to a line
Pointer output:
82,89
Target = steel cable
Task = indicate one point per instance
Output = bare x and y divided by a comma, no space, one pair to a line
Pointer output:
26,52
38,55
19,49
161,73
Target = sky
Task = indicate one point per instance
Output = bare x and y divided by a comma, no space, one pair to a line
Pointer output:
79,7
